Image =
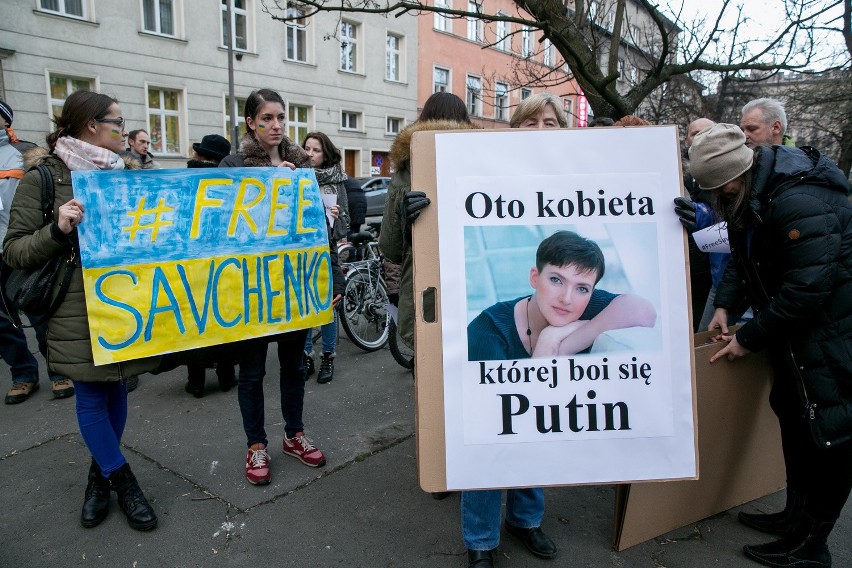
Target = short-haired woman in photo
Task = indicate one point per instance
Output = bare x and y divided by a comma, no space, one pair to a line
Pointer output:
565,314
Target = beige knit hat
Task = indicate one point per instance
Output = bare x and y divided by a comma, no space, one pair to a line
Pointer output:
718,155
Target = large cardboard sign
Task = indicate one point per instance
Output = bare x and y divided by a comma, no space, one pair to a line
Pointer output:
616,407
179,259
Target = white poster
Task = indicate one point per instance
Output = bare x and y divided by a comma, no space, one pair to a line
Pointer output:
564,308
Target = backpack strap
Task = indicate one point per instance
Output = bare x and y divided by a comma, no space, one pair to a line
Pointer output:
48,194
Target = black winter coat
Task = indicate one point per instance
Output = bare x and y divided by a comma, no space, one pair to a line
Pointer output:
794,261
357,202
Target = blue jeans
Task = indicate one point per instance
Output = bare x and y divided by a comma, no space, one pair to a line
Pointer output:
101,416
291,384
16,353
480,514
329,337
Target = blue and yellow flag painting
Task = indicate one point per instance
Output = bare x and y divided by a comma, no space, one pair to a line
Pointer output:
179,259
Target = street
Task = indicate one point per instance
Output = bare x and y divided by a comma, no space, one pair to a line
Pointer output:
363,509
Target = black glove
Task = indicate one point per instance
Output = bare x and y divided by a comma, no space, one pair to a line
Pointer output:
685,209
412,203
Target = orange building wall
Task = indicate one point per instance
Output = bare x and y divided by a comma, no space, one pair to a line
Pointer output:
462,56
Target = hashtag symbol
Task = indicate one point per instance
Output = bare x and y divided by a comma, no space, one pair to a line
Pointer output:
154,226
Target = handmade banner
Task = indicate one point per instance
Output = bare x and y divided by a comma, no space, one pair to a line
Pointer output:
566,341
179,259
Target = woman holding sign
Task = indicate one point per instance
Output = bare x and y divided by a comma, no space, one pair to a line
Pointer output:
89,135
790,229
325,159
265,145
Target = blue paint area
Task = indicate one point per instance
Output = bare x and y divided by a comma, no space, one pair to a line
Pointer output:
108,197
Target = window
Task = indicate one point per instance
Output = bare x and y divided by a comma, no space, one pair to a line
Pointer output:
349,120
526,42
593,10
158,16
164,118
547,48
525,93
474,24
503,42
241,120
635,34
296,36
442,22
474,95
393,125
568,107
501,101
349,46
74,8
239,17
298,122
393,49
440,80
62,86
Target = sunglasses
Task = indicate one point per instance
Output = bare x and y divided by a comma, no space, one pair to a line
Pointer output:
118,121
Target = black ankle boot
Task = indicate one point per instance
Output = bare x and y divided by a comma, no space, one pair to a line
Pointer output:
131,500
326,372
780,523
308,359
96,502
804,547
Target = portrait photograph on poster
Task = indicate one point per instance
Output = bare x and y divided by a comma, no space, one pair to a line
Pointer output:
563,309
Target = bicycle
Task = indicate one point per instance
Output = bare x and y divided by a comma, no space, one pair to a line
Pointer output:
363,310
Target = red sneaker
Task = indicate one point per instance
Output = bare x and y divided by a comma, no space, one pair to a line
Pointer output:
299,446
257,465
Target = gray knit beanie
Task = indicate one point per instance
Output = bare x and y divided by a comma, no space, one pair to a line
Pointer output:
719,155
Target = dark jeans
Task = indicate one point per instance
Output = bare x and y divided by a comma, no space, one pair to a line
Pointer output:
291,384
16,353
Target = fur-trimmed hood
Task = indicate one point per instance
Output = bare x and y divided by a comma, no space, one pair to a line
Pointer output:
38,156
255,156
400,153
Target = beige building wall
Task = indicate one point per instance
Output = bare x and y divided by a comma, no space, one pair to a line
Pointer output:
169,70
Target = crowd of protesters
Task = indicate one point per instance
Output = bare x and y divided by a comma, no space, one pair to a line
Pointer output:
787,282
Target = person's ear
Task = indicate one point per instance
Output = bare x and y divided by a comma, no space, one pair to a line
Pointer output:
250,124
776,126
534,277
92,127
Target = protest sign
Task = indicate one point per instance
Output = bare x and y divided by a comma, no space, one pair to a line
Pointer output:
499,413
179,259
713,238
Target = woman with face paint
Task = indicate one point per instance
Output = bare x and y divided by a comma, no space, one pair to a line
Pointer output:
89,135
265,145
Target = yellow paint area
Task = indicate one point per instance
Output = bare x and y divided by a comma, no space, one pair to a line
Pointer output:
150,309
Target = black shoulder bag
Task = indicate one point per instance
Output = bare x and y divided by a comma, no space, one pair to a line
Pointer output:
30,290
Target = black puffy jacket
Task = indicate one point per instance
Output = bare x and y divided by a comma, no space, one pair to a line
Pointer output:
794,261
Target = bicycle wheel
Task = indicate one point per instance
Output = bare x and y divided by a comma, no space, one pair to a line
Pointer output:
402,354
363,313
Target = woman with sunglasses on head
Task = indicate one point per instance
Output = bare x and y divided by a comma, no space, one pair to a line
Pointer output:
265,145
89,136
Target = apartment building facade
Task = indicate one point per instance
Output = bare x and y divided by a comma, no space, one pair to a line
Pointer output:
491,66
166,61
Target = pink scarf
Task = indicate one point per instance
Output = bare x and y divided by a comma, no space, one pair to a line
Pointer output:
79,155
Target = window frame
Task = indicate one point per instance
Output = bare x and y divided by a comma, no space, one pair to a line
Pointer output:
246,12
400,125
350,44
473,99
501,111
526,42
177,20
85,7
503,33
293,125
94,84
241,120
547,53
449,82
441,22
358,121
400,57
475,26
525,93
293,27
164,113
